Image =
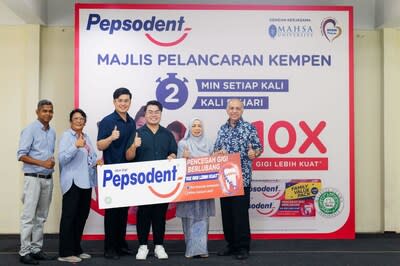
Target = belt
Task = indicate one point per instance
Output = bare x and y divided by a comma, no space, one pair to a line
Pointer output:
38,175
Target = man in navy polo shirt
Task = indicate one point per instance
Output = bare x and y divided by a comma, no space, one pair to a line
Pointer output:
114,132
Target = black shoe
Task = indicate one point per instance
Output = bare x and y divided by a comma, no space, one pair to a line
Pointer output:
226,252
242,254
28,259
126,251
42,256
112,255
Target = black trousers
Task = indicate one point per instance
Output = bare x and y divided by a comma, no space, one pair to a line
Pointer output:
115,221
75,210
235,221
154,216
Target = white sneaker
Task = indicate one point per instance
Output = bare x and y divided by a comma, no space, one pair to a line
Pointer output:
142,252
159,252
72,259
85,256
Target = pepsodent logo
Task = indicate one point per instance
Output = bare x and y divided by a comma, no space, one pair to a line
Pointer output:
149,26
271,190
330,29
267,208
150,178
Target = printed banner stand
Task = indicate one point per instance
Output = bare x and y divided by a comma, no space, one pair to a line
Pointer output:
292,67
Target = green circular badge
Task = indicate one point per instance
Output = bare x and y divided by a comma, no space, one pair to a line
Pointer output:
108,200
329,202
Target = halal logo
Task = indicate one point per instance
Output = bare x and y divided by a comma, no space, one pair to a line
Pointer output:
329,202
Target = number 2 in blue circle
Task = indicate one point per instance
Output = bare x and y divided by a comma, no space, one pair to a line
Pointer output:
172,92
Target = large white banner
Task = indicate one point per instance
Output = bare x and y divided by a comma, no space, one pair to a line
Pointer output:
141,183
292,68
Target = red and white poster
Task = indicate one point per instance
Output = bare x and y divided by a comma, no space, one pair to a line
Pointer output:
292,66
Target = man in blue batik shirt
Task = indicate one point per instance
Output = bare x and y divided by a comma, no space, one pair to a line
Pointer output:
237,135
36,151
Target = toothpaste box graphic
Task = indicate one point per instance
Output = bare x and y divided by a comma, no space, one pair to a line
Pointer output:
212,177
284,198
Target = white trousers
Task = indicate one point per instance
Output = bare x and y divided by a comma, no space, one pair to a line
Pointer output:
36,199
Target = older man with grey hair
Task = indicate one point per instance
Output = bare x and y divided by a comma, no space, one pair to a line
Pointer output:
237,136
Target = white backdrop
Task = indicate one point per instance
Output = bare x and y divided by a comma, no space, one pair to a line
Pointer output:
293,68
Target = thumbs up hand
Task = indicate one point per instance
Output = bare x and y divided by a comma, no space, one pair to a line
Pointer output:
251,153
80,141
115,133
171,156
137,141
186,153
